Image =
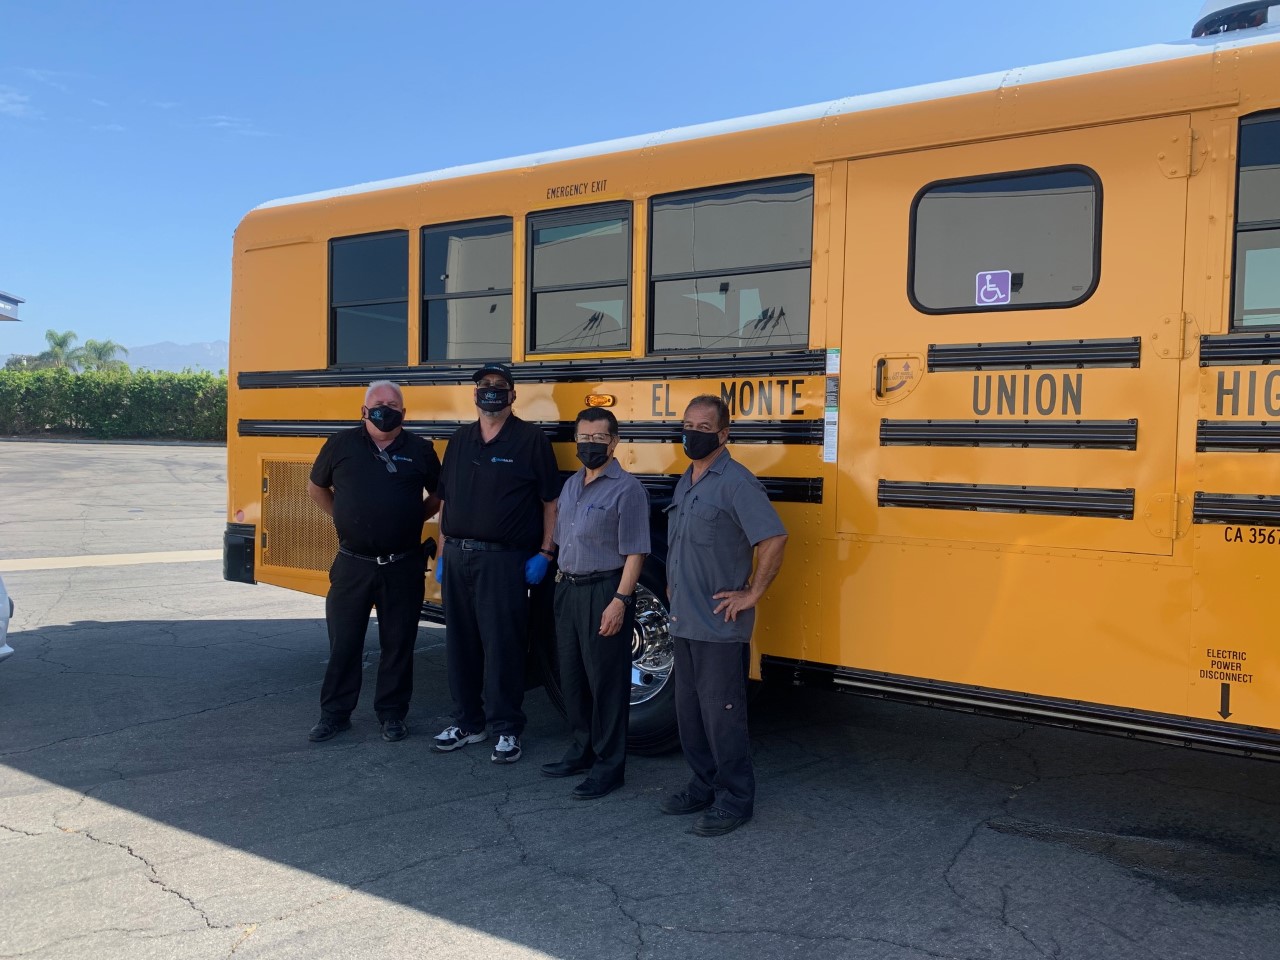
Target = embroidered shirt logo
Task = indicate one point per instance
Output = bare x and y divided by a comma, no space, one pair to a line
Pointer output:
500,460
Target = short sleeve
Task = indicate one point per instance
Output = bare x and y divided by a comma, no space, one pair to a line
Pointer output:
432,462
322,469
447,468
633,519
756,516
545,468
563,513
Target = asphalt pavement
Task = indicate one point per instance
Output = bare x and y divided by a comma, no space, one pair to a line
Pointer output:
159,797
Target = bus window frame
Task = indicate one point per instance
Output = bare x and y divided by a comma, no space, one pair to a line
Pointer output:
566,217
651,281
1011,307
332,352
1235,293
424,298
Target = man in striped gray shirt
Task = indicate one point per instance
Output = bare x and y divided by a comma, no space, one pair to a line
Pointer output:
602,530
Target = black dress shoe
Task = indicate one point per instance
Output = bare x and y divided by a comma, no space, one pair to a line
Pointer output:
716,823
683,802
393,730
563,768
594,789
327,729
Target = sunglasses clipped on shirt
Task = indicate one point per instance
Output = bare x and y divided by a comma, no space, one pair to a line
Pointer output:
386,458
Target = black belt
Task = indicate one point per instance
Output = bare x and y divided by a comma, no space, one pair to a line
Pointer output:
381,561
580,579
479,544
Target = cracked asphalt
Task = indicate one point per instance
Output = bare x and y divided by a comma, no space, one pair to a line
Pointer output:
159,798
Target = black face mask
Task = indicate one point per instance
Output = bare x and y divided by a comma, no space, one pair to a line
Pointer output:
593,456
698,445
493,399
385,419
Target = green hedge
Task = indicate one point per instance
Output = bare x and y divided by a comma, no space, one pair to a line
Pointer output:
114,405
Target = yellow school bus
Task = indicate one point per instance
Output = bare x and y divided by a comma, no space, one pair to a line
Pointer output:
1005,353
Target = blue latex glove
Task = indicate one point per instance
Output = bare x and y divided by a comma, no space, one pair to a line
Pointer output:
440,568
535,568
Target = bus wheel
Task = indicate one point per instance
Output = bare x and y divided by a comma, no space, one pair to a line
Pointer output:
652,728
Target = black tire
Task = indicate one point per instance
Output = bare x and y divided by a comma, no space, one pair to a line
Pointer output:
652,727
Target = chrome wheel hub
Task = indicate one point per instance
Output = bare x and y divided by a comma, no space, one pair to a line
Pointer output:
652,648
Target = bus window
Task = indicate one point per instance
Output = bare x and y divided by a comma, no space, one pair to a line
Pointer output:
1257,282
1009,241
729,268
466,291
369,299
579,297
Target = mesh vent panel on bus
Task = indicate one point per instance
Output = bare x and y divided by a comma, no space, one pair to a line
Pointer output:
298,533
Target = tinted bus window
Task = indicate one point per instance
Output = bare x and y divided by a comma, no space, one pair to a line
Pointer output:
369,299
1018,240
1257,274
579,297
466,288
729,268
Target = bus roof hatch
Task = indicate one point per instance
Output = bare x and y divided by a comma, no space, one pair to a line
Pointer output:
1224,16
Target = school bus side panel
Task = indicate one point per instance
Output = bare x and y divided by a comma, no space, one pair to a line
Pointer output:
1060,604
1234,657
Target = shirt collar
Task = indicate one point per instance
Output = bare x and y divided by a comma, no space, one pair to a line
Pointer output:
613,471
721,461
717,465
395,444
502,431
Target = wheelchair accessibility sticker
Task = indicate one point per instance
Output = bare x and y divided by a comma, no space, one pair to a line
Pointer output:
993,288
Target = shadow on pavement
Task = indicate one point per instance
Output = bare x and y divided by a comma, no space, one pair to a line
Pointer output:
881,830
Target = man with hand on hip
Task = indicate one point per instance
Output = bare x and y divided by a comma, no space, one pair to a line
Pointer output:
602,532
372,479
720,516
498,485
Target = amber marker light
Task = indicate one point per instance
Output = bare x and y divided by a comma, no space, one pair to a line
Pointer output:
599,400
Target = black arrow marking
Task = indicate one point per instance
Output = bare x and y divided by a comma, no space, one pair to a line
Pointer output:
1225,710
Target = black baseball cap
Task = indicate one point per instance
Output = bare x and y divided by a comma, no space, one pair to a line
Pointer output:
501,369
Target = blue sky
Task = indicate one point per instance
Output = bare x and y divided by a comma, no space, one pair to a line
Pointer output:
135,135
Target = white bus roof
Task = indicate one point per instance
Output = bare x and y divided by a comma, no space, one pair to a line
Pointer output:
1080,66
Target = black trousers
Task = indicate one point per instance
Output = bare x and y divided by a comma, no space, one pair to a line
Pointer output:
486,633
355,588
595,676
711,709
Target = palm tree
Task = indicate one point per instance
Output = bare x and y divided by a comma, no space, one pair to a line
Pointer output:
61,352
102,355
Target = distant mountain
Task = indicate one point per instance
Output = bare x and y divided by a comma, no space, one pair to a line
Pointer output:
179,356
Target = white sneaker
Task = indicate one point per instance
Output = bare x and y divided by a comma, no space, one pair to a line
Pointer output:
451,738
507,749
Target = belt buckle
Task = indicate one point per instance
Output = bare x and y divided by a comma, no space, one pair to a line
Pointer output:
383,561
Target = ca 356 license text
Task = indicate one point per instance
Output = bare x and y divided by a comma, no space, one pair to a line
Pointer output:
1261,536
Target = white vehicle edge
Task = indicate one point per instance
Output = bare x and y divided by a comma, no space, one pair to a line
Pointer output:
6,611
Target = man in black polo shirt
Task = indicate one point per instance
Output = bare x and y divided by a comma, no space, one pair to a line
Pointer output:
499,486
371,479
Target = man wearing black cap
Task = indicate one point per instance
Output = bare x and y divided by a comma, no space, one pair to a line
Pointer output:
499,486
